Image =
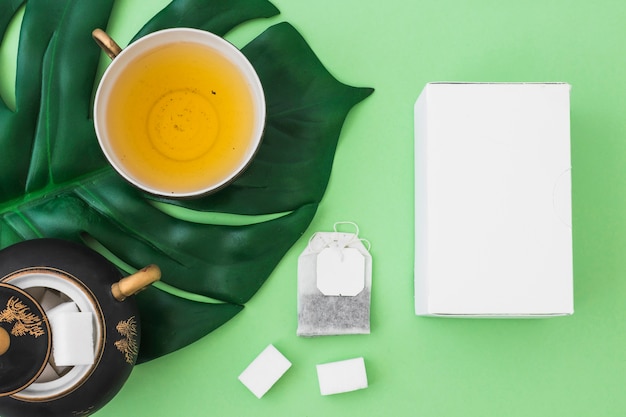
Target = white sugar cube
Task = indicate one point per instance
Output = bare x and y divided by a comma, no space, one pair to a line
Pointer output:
36,292
342,376
62,308
50,299
72,338
48,374
264,371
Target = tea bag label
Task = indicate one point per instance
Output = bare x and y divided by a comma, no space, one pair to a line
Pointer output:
340,271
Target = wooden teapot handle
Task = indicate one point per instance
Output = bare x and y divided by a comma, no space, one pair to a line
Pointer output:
136,282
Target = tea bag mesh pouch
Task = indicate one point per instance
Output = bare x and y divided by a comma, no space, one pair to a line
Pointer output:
334,285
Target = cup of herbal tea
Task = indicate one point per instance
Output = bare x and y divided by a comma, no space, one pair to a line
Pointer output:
179,112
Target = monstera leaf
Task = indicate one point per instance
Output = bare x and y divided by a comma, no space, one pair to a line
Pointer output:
55,182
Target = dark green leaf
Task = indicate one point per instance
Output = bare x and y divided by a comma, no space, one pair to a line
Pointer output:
169,323
218,16
58,184
7,11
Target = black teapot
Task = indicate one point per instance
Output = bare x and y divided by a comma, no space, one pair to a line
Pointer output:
69,336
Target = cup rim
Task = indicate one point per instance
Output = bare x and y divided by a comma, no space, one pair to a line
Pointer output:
172,35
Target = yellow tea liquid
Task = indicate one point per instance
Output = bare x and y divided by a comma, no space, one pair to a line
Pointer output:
180,118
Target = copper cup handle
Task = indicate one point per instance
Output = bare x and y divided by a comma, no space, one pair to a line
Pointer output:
106,43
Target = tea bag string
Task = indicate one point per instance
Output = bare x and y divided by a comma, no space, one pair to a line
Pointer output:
356,233
333,242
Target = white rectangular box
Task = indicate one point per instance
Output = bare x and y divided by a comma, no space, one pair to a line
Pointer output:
493,231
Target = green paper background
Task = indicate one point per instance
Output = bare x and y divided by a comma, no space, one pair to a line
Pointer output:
571,366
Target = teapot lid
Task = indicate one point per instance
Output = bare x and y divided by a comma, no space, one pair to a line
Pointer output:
25,340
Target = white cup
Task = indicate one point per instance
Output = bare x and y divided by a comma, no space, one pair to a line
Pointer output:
175,153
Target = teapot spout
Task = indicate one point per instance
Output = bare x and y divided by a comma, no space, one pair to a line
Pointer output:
136,282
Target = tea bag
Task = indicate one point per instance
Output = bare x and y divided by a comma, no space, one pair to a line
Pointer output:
334,285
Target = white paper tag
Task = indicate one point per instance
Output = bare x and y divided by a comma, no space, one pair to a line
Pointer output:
340,271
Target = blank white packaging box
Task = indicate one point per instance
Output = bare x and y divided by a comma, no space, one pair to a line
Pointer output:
493,235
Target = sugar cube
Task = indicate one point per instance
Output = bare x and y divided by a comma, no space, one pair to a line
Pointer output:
264,371
48,374
62,308
50,299
342,376
72,338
